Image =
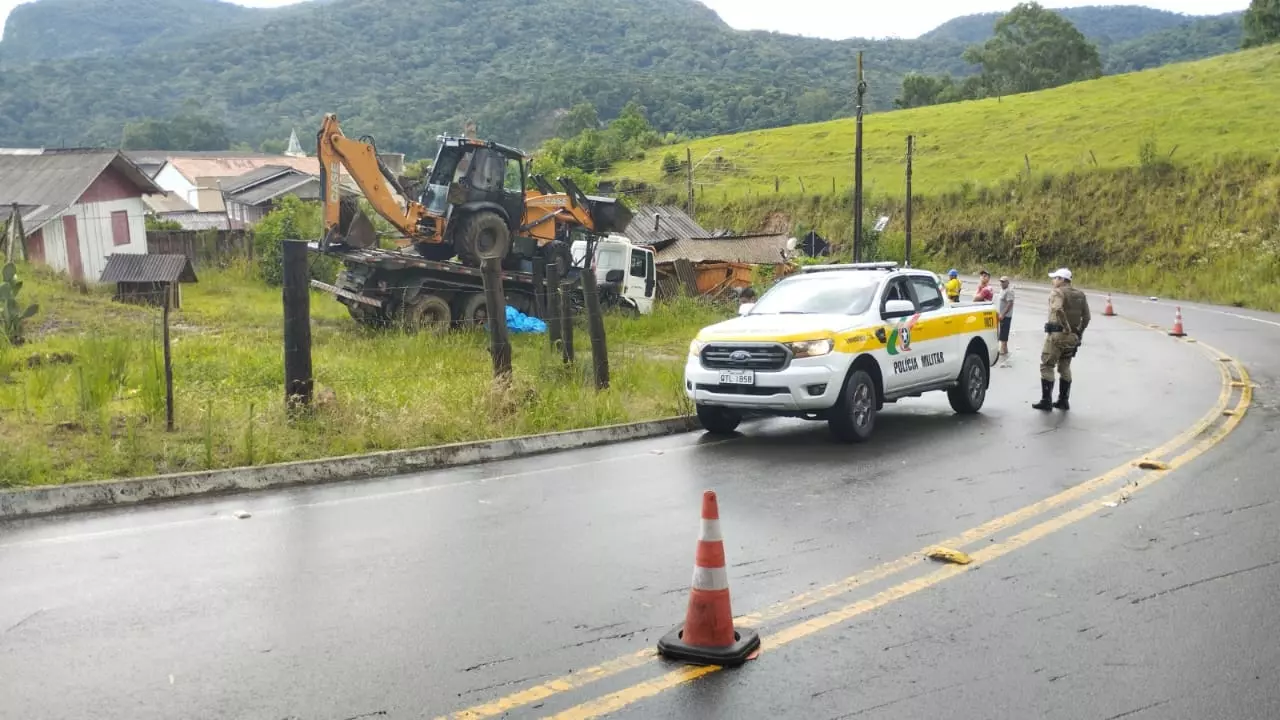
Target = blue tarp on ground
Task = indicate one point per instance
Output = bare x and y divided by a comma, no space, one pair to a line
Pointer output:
518,322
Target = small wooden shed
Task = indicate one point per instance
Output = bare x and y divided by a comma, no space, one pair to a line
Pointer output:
149,279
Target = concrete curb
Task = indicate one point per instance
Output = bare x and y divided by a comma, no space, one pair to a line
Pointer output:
44,500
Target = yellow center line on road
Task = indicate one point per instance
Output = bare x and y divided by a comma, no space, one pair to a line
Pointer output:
628,696
582,678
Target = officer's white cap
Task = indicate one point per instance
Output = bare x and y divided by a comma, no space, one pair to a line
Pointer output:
1063,273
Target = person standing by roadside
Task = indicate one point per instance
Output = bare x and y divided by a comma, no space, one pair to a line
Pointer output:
1068,319
1004,313
953,285
984,293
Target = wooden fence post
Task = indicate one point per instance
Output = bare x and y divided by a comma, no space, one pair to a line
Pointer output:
566,313
168,363
496,305
551,296
298,382
595,326
540,287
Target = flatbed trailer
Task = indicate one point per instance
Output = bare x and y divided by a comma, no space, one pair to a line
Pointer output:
383,287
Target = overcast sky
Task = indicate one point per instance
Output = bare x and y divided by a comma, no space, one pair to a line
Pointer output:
844,18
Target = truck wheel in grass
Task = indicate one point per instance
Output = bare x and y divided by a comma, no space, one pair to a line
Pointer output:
854,415
967,396
718,420
483,235
426,312
473,310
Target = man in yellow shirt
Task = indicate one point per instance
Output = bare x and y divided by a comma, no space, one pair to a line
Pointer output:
953,286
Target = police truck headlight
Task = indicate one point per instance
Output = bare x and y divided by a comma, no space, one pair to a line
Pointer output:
810,348
695,348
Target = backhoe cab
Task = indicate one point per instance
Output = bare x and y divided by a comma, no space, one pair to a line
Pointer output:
475,203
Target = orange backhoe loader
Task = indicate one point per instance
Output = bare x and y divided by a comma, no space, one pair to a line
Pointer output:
476,202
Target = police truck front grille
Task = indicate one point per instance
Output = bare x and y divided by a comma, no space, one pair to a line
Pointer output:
745,357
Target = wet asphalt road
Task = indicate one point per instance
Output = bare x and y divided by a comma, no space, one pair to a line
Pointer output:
427,594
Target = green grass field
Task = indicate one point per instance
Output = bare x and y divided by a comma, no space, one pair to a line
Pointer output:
1195,111
83,399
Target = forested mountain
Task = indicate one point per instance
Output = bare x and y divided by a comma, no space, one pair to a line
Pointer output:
1198,39
75,71
1103,24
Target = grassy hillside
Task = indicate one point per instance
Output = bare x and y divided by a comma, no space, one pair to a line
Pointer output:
1192,111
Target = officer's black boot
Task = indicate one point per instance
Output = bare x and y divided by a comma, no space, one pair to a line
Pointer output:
1046,396
1064,395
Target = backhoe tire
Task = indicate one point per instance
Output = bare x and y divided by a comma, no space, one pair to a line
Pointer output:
426,312
435,252
483,235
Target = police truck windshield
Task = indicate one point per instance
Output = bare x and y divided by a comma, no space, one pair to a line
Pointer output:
835,293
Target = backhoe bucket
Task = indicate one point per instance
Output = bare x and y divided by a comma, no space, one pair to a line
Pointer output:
361,233
355,229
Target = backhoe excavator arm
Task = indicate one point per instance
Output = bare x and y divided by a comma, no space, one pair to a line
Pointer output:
336,151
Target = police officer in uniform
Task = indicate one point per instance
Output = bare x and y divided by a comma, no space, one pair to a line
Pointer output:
1068,319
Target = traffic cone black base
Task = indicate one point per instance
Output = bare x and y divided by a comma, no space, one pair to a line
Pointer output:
746,641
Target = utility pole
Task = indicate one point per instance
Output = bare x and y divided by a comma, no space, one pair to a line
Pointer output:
688,153
857,167
911,145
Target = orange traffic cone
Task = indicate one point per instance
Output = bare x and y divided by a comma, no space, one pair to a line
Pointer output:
1177,323
707,636
1109,311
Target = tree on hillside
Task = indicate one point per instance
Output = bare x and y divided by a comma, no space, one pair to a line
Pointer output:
1262,23
582,116
188,130
921,90
1034,49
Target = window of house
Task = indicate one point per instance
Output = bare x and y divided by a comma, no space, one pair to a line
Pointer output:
120,227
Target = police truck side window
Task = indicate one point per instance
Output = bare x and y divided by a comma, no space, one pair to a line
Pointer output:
637,263
927,293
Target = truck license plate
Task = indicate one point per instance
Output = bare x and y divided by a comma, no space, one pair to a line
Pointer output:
741,377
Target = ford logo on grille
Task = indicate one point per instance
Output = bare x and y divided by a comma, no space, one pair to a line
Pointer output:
739,355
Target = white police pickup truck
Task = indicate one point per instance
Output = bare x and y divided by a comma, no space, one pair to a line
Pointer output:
837,342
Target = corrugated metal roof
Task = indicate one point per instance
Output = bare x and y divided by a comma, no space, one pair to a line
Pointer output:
195,220
751,249
52,180
194,167
652,224
168,202
255,176
296,183
128,267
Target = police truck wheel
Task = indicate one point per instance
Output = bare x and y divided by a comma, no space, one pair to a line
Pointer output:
967,396
718,420
484,235
854,416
